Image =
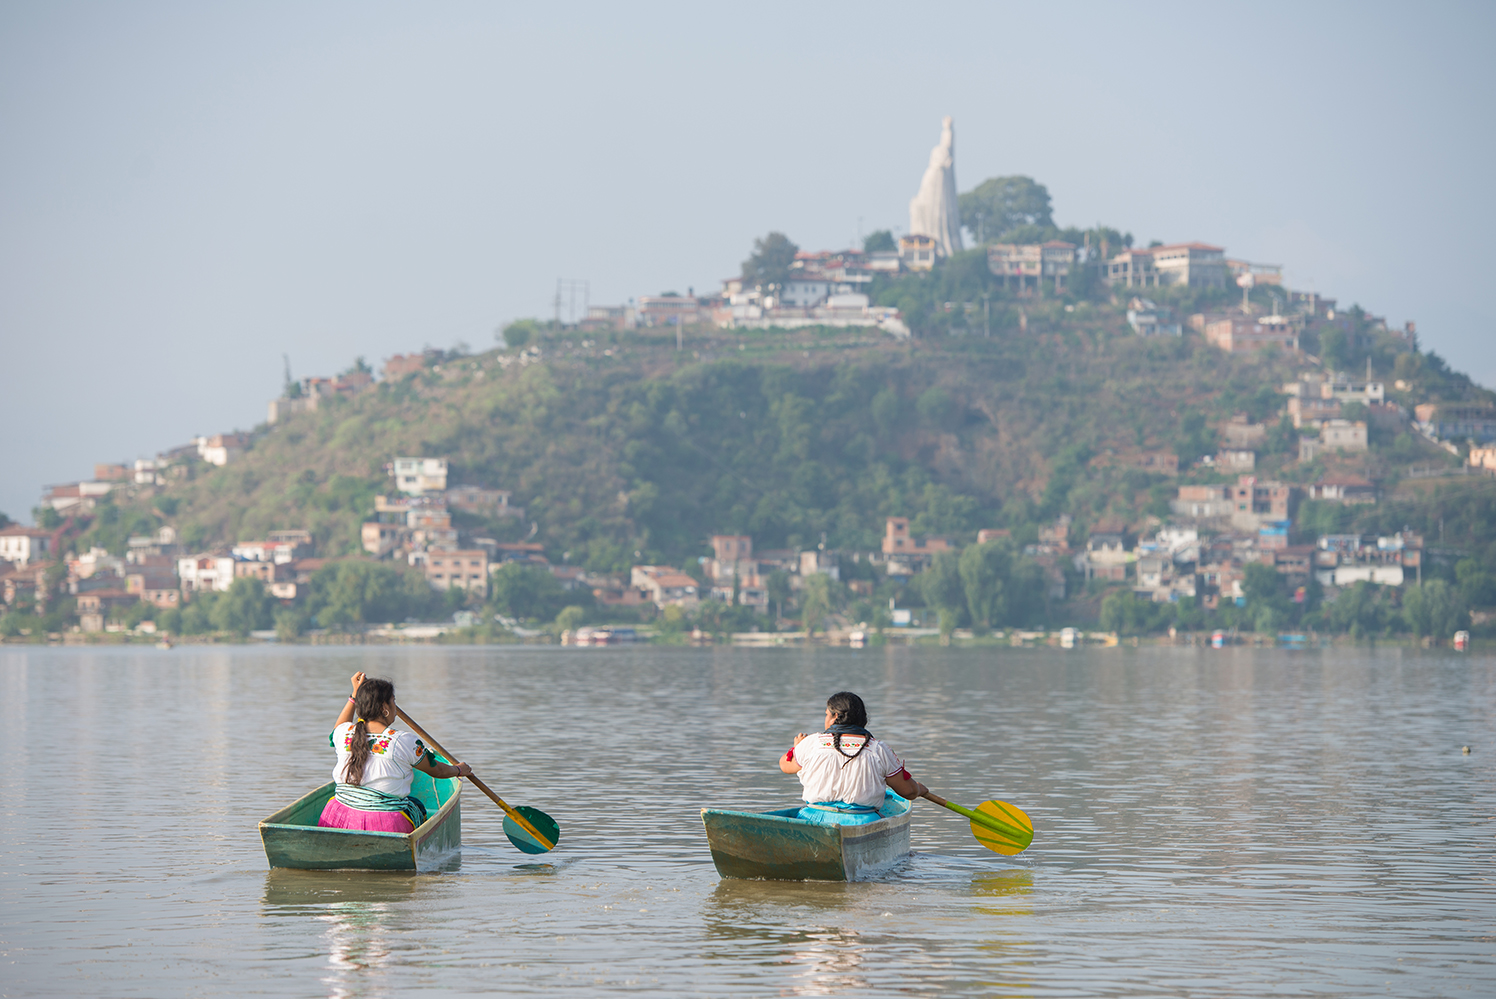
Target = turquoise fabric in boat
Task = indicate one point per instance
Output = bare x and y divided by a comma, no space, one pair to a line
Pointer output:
839,813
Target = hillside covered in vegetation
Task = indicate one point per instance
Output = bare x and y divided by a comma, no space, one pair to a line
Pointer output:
1001,412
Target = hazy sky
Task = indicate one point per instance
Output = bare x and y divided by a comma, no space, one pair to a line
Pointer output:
190,190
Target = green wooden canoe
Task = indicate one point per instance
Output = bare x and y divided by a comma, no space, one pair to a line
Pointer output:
293,839
780,846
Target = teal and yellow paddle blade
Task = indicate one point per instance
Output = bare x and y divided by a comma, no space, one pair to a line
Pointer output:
543,823
1000,827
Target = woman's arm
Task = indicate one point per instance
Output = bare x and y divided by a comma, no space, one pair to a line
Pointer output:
904,784
787,761
346,715
428,765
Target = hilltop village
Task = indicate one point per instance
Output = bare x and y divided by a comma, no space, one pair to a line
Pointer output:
826,449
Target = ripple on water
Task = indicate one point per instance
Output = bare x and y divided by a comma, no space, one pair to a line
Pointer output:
1212,823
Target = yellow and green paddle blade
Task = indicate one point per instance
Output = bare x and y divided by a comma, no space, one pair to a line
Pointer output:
997,825
1001,827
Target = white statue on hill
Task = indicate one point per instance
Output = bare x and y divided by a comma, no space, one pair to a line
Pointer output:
933,212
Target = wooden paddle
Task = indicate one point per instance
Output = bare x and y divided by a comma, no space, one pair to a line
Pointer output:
520,824
997,825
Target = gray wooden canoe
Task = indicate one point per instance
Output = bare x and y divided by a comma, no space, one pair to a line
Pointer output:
780,846
292,837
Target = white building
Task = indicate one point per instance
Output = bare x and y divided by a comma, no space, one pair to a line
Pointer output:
1148,319
23,545
665,585
1196,265
1344,434
420,475
148,471
206,572
805,292
220,449
277,551
1349,575
77,494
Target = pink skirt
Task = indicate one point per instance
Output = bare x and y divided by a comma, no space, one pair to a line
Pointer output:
339,816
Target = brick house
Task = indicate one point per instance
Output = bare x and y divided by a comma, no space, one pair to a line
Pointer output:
465,570
1239,334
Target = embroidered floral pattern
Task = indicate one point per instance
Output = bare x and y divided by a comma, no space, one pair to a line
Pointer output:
377,743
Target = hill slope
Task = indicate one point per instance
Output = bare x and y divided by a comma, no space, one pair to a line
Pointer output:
631,446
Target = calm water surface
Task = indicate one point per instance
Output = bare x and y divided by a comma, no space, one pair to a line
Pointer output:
1233,823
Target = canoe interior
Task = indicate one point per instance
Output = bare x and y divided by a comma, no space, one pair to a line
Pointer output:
292,837
778,845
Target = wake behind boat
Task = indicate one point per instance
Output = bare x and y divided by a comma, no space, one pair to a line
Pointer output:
781,846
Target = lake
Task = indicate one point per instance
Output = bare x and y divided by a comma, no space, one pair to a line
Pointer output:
1209,823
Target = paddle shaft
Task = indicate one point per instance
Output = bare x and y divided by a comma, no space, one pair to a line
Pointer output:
974,816
523,822
931,795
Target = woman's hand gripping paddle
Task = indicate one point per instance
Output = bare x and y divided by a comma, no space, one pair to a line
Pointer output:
997,825
529,829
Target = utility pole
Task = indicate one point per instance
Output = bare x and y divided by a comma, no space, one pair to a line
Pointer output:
678,328
567,288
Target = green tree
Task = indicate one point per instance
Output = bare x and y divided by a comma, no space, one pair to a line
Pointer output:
770,262
815,600
1434,608
1000,204
1195,437
527,592
290,623
244,608
1283,437
356,592
942,588
937,406
1125,613
1269,606
571,618
1334,348
778,586
1360,611
521,333
1477,581
879,241
984,572
197,614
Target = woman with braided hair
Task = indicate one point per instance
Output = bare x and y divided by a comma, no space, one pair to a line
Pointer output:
844,769
376,764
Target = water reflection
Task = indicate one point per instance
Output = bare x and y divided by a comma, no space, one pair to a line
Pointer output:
1012,887
295,889
361,910
808,926
1010,891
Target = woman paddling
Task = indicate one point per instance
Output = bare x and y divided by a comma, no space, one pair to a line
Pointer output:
376,764
843,770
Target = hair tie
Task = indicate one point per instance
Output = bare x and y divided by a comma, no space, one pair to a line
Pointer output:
359,720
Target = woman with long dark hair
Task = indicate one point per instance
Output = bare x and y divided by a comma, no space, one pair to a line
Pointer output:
376,764
844,769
